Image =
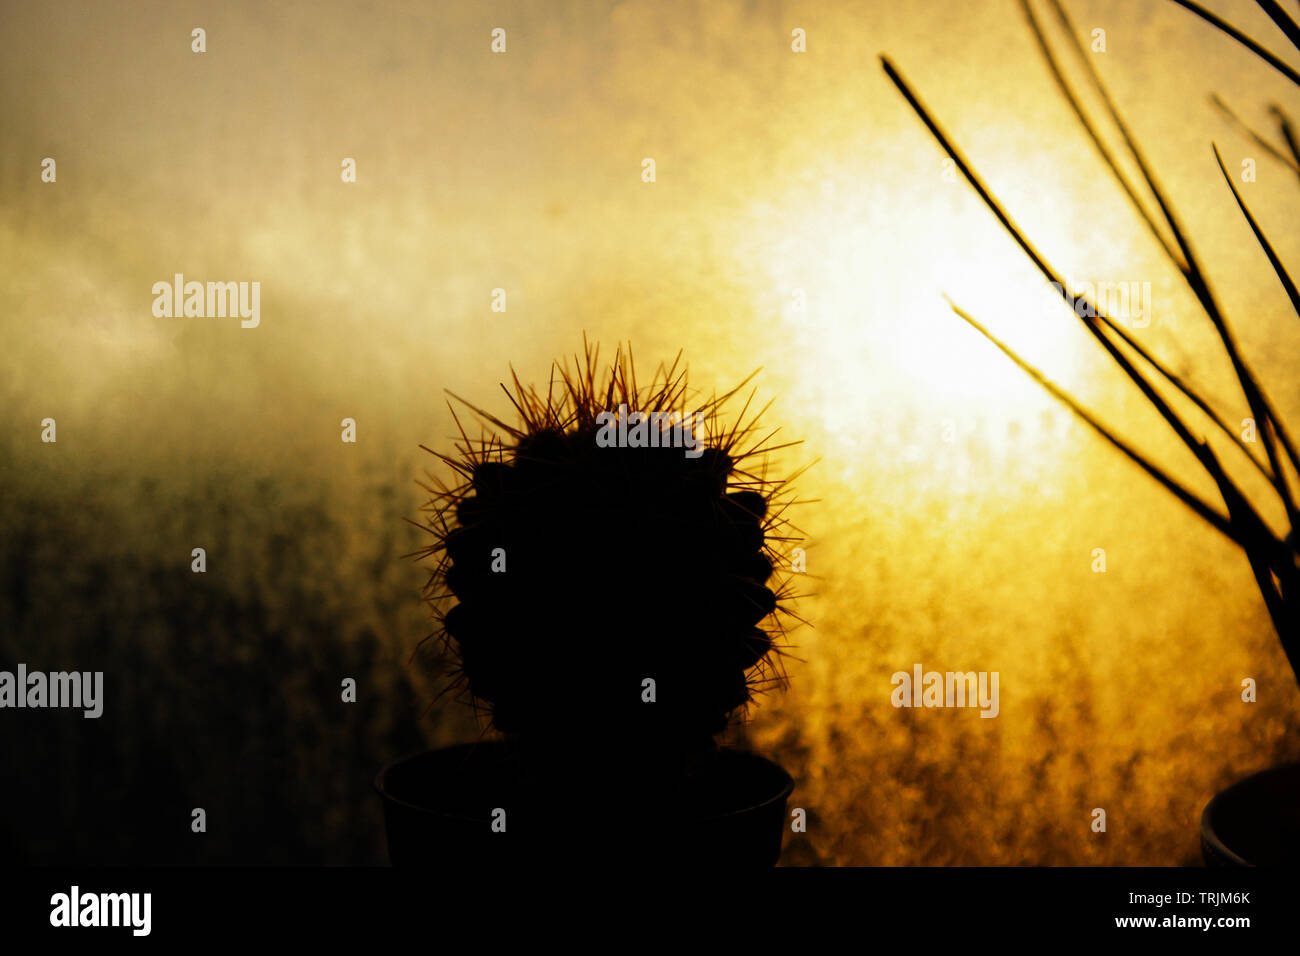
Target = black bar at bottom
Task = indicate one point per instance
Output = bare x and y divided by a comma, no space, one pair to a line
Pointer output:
193,905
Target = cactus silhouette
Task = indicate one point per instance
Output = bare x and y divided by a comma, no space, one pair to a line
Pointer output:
615,593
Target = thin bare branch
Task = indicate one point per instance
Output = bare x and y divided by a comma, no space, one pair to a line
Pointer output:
1283,276
1282,19
1287,129
1260,407
1091,129
1219,23
1258,138
1216,520
1092,322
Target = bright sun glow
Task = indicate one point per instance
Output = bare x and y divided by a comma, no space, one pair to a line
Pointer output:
865,329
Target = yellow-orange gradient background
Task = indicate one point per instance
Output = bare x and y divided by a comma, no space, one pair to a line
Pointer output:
776,171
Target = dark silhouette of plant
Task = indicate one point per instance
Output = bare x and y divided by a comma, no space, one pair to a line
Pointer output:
581,572
1274,558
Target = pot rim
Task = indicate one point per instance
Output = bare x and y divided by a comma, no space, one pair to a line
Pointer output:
1210,835
782,794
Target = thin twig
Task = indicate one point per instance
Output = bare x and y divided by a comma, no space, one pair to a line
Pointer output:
1261,408
1091,129
1263,143
1187,497
1293,294
1288,131
1270,58
1247,524
1282,19
1283,276
1179,263
1175,422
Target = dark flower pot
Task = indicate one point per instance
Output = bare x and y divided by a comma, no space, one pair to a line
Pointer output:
1255,822
438,811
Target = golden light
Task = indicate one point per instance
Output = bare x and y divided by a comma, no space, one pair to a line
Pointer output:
876,343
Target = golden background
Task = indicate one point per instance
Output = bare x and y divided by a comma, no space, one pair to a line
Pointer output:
776,171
